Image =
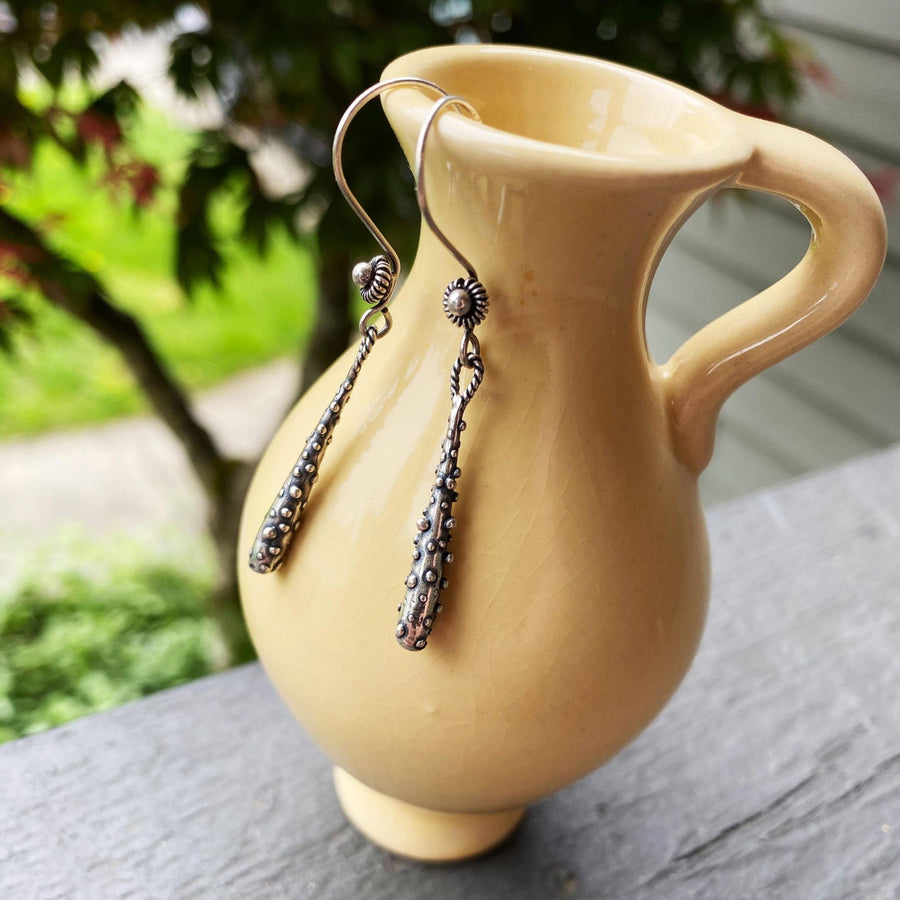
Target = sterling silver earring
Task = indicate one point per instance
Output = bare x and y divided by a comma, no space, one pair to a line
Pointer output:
376,280
465,303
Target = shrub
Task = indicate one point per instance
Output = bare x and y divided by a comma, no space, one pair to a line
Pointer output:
71,644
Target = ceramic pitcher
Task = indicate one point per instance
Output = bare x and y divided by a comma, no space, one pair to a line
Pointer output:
579,588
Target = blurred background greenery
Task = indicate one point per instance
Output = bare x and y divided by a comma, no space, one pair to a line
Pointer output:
145,253
64,375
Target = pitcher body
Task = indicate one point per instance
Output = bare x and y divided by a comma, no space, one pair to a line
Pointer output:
579,588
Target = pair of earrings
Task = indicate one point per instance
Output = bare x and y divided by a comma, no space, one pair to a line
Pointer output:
465,303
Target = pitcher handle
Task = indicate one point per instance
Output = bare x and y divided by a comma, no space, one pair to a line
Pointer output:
845,256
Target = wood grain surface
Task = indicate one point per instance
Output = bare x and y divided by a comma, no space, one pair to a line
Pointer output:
774,773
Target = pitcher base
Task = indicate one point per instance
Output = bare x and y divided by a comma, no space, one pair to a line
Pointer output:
419,833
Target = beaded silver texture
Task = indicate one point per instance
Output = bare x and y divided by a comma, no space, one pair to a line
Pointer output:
426,580
286,512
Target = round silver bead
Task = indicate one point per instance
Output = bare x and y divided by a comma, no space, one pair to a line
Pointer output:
362,274
459,302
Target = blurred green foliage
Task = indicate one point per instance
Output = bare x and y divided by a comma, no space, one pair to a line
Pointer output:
62,374
75,643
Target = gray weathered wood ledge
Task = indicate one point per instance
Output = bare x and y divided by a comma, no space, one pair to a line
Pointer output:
774,773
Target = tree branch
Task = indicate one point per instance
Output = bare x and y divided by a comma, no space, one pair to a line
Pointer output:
78,293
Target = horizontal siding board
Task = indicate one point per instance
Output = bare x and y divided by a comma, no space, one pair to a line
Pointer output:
861,102
738,466
805,436
835,375
759,240
873,18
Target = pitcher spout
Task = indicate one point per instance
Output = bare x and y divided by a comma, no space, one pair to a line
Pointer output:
578,173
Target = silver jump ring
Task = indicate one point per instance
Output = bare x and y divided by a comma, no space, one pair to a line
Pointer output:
365,326
468,346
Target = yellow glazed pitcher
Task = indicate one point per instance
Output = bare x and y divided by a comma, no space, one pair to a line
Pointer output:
579,590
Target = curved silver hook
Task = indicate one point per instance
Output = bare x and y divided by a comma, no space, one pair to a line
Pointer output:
338,146
436,110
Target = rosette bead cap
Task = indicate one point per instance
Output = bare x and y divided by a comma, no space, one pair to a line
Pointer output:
465,302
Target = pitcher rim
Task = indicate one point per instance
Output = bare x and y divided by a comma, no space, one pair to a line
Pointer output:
406,108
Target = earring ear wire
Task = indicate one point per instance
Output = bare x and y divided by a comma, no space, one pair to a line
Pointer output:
376,280
465,303
337,149
436,110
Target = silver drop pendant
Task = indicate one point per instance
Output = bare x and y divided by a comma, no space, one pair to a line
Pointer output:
465,304
426,579
286,513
